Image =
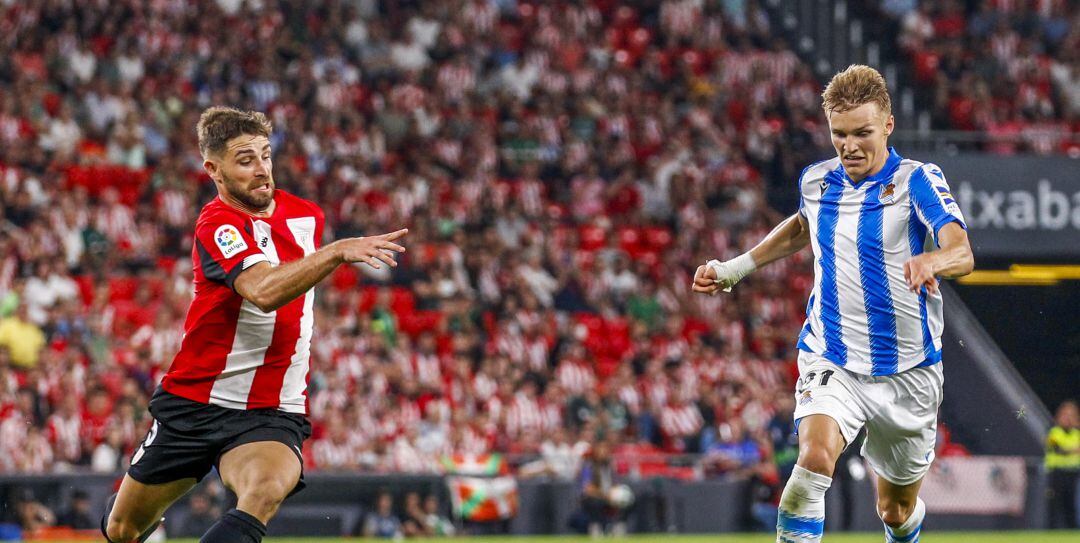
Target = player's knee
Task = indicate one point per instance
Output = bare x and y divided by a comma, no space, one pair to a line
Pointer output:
122,530
895,512
818,459
264,496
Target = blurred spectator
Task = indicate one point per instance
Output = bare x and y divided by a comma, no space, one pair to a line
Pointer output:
202,514
735,450
560,458
415,523
381,522
603,507
31,513
22,338
79,514
437,523
1063,465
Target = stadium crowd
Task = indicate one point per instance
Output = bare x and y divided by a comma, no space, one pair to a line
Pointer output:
562,168
1008,68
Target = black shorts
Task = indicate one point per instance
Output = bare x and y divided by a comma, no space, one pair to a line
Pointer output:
188,438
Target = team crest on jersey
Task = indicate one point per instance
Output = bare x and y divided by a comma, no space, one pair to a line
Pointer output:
229,241
805,398
887,197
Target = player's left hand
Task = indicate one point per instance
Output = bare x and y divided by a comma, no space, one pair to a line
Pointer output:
919,272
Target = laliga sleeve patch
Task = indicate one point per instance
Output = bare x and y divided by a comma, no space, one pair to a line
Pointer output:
228,240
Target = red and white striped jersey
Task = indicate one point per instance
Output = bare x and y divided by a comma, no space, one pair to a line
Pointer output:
575,377
64,433
681,420
233,354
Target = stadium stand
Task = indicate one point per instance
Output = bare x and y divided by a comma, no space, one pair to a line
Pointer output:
1008,69
560,166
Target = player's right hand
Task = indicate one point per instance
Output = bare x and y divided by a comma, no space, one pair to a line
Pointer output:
705,281
372,249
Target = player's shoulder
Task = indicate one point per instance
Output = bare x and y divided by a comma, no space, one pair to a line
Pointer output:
818,170
910,169
295,206
216,212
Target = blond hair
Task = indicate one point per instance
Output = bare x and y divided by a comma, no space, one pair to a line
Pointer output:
219,124
855,86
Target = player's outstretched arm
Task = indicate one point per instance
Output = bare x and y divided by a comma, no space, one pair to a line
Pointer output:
953,259
270,287
790,236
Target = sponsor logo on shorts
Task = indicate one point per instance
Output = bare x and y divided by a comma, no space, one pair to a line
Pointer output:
805,398
228,239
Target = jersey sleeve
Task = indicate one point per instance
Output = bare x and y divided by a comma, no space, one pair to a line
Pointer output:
802,204
225,248
933,200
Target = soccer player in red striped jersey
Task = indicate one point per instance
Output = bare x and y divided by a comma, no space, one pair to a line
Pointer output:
235,397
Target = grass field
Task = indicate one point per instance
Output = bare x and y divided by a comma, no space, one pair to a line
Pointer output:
929,537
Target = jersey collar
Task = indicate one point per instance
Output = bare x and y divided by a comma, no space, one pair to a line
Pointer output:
886,173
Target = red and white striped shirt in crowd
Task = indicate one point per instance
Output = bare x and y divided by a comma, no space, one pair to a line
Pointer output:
524,415
405,458
480,15
575,377
511,345
425,369
581,19
408,413
779,65
34,455
332,454
456,79
680,17
554,82
681,420
530,193
448,151
631,398
408,97
233,354
175,207
737,67
551,417
116,221
64,433
484,386
472,441
766,373
332,399
536,353
1004,45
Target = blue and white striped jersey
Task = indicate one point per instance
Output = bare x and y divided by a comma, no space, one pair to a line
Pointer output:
861,314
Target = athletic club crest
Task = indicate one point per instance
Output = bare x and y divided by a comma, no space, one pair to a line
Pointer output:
805,398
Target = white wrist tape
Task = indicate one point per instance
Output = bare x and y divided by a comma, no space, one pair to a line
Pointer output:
732,271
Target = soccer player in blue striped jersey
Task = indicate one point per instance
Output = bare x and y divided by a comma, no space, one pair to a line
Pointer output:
883,229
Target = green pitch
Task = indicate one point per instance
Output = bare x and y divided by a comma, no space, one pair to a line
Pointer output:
929,537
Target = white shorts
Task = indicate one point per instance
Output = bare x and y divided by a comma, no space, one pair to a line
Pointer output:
899,412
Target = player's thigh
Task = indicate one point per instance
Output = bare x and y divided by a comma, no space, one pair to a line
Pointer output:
269,470
901,435
140,504
827,406
820,443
